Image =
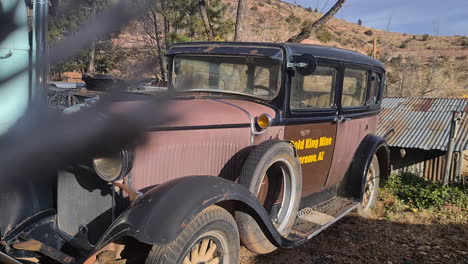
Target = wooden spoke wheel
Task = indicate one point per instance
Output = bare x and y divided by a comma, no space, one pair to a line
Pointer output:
211,237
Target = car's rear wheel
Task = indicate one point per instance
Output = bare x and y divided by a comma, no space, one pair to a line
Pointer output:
211,238
371,188
272,172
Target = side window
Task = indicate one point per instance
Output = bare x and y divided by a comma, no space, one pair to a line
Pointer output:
354,87
374,87
314,91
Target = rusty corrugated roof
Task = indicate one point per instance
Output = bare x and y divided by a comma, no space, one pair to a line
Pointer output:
422,123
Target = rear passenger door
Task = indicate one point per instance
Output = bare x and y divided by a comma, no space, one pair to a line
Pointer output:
311,123
358,115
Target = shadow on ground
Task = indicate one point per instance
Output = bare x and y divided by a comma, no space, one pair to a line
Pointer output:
357,240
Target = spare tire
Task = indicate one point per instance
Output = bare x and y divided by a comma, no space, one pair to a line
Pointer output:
272,172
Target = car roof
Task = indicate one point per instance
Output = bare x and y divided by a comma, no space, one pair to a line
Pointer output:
317,51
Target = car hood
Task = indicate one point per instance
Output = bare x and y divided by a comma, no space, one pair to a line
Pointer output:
199,113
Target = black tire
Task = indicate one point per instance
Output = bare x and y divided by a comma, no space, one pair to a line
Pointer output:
214,224
265,166
371,188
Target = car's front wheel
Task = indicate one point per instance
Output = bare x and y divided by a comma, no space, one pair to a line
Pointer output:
211,237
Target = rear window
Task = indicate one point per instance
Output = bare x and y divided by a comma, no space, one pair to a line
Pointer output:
374,87
354,87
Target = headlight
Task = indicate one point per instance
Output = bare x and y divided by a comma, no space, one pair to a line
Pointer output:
113,168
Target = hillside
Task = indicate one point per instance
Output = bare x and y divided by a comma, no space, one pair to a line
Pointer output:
418,65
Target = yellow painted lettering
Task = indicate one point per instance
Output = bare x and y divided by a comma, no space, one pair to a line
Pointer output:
300,144
325,141
321,156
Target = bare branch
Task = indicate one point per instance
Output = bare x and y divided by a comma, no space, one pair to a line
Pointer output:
307,31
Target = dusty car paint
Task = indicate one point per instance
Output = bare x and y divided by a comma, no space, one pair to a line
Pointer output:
191,145
350,134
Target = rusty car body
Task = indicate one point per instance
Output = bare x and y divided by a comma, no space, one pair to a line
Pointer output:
279,136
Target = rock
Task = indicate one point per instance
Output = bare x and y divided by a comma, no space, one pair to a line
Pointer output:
424,248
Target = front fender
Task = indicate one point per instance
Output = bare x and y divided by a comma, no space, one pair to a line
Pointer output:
161,214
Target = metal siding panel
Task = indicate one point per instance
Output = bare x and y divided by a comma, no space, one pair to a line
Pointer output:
422,122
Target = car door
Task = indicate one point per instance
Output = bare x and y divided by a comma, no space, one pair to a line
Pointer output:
311,123
358,106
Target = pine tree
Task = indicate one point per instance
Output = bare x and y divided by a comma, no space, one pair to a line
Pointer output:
359,22
67,23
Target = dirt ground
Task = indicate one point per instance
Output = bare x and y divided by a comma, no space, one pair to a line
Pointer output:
407,237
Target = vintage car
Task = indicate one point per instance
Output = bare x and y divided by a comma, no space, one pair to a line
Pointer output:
271,144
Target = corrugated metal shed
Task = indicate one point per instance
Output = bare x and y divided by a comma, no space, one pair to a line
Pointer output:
422,123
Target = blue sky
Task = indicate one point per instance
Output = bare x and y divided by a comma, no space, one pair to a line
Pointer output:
406,16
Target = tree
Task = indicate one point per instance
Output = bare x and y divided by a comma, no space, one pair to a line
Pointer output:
206,20
92,51
67,23
153,18
167,22
307,31
359,22
239,20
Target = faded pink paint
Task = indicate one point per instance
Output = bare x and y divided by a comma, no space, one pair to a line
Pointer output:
203,112
349,136
276,132
255,109
174,154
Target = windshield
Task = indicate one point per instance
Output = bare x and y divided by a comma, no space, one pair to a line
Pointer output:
254,76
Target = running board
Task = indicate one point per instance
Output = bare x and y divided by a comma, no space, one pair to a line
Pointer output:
311,221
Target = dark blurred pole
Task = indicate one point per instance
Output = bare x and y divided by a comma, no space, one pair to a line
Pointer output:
41,10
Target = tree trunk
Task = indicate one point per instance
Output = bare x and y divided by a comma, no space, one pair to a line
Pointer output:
167,27
307,31
92,59
159,45
239,20
206,20
92,53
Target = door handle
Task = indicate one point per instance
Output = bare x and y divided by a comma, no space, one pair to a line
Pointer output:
8,55
341,119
